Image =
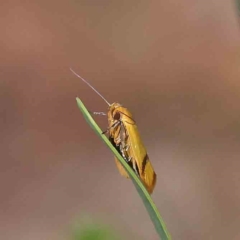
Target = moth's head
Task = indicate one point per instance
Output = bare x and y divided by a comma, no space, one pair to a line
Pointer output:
117,112
114,112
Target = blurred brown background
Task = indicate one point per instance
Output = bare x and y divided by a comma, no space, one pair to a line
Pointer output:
174,64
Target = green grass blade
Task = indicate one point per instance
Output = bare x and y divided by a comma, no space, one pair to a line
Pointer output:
143,193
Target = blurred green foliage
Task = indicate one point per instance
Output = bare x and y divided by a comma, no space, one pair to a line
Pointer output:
93,232
238,6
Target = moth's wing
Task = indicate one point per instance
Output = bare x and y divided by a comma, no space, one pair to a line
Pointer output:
139,153
148,175
121,169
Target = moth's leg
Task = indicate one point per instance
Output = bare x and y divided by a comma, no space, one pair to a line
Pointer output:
116,124
117,133
124,156
106,131
126,147
121,135
113,126
135,168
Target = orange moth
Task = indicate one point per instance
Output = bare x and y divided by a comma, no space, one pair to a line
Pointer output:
124,135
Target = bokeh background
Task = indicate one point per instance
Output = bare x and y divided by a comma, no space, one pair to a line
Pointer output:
174,64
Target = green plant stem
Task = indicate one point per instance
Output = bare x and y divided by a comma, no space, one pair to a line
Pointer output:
143,193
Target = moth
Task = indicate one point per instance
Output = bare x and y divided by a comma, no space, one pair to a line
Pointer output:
124,135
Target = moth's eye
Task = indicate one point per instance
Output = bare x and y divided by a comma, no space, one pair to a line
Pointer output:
117,116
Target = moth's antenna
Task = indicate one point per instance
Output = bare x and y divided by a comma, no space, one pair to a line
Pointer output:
90,86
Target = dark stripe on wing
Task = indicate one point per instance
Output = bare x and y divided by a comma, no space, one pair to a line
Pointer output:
144,163
154,179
